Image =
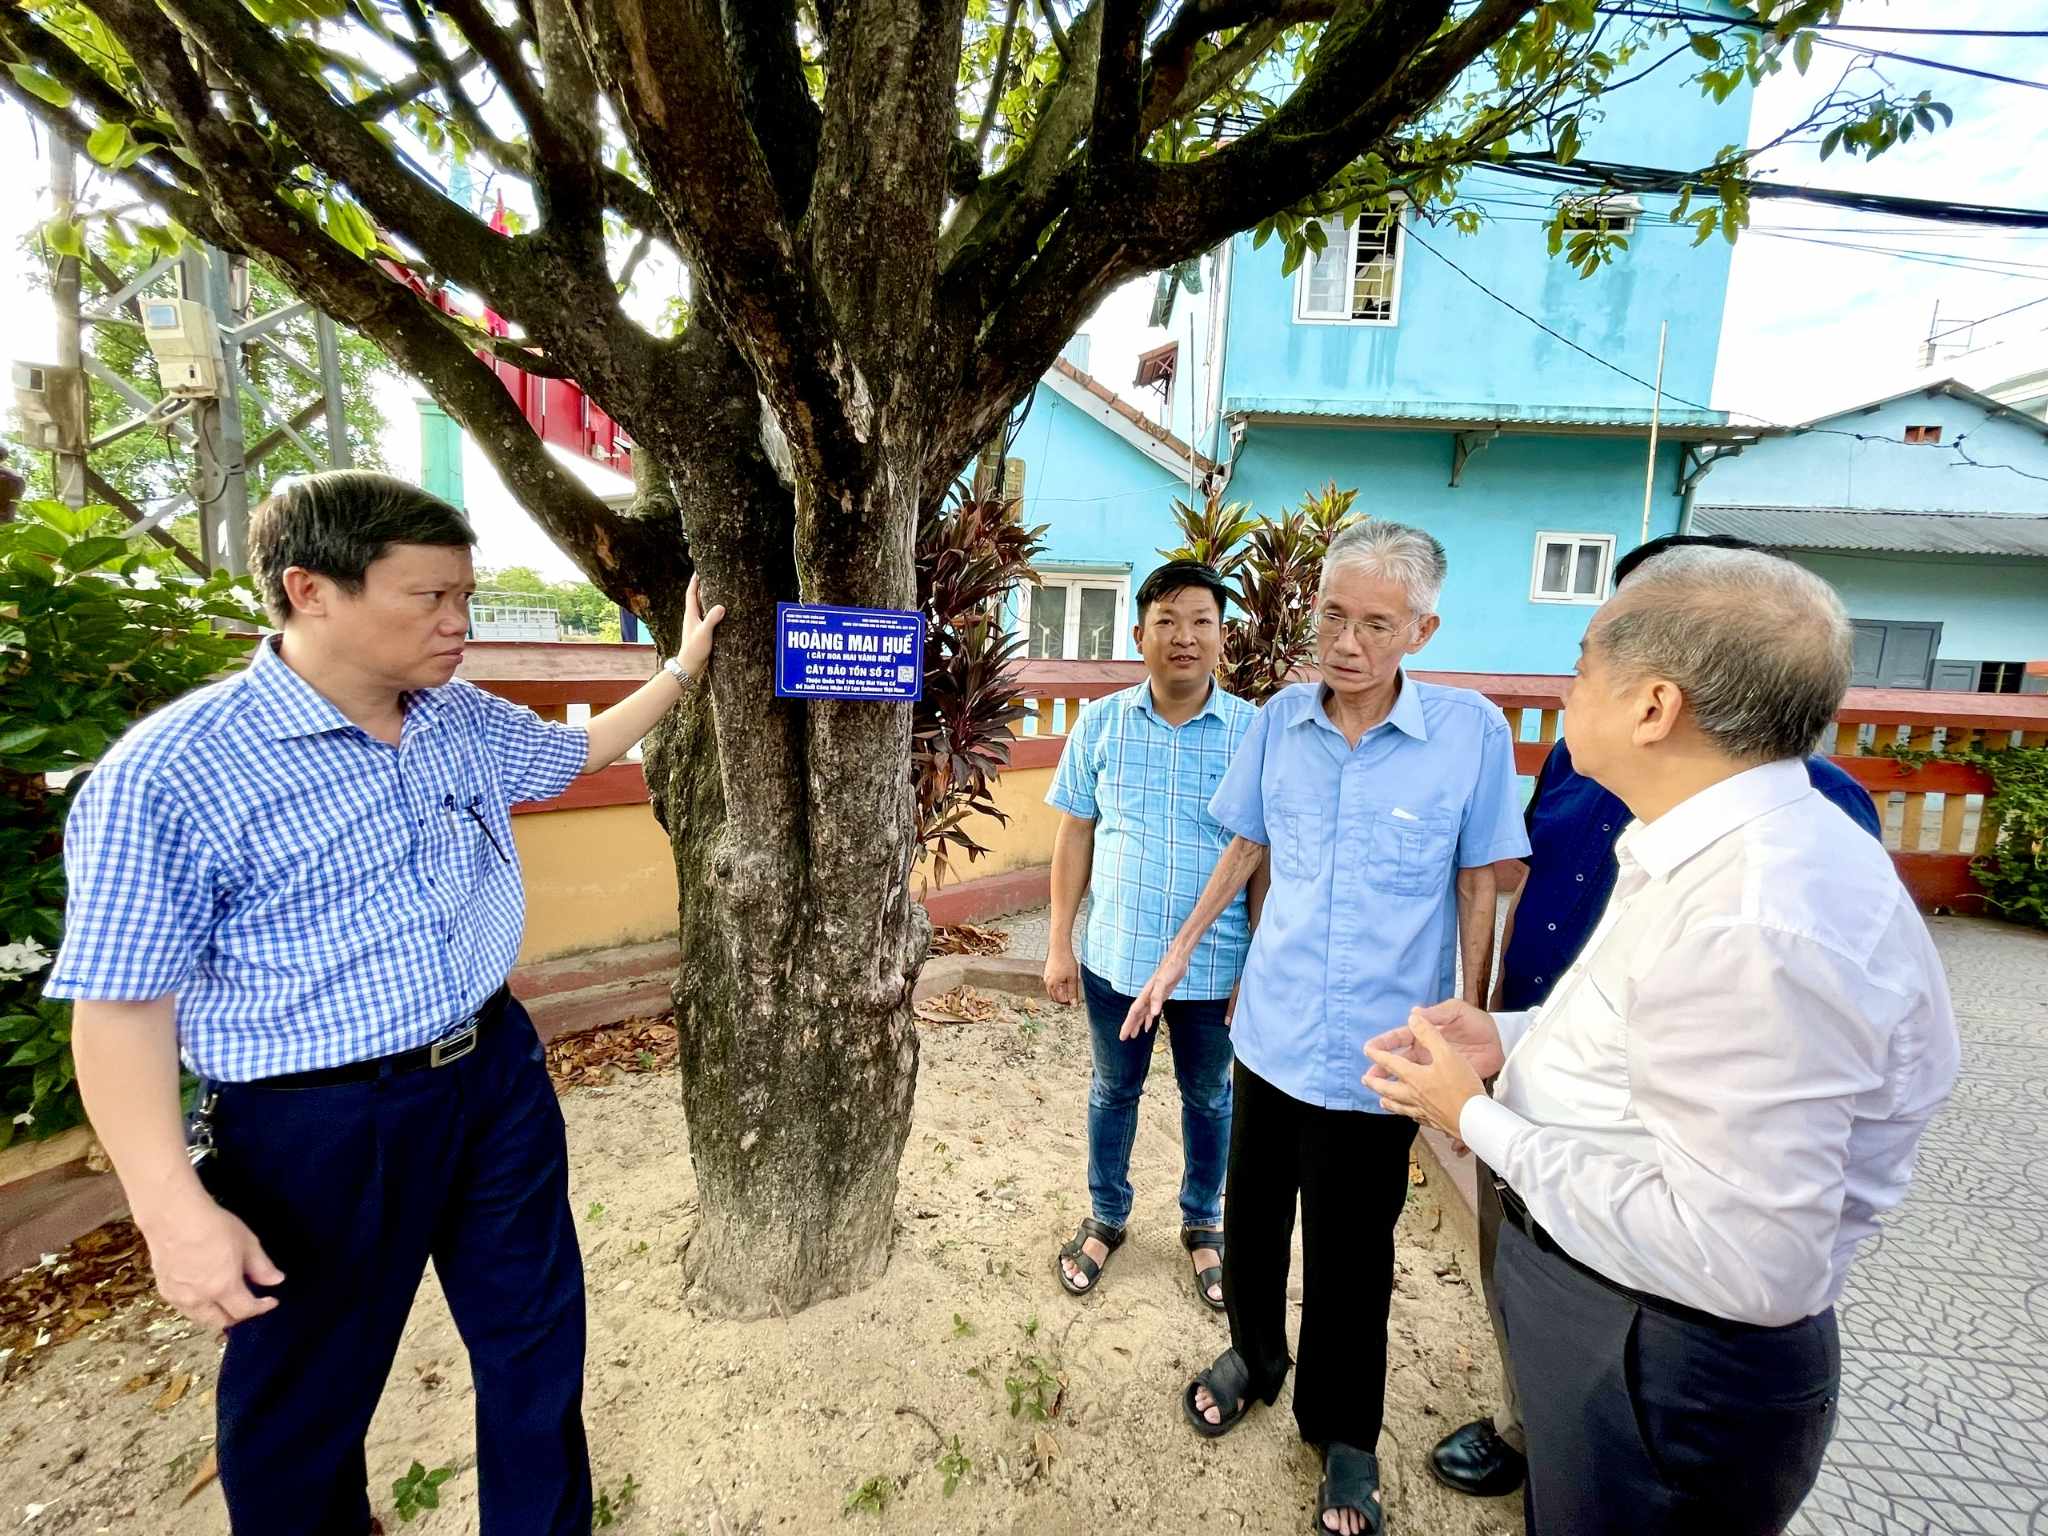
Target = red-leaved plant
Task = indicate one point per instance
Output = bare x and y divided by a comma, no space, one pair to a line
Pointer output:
970,553
1273,567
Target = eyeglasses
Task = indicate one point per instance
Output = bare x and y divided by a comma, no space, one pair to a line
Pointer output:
1372,634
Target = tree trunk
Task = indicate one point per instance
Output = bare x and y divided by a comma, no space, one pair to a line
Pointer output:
794,838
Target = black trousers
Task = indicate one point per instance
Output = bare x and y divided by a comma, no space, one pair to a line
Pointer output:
1350,1172
1646,1418
352,1189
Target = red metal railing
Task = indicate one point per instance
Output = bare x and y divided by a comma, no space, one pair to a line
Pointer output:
1933,813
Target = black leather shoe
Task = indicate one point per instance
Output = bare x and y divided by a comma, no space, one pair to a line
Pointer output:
1477,1461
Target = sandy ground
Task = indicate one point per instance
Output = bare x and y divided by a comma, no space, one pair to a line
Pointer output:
727,1429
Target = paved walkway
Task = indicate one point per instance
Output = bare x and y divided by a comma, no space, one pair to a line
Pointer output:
1944,1419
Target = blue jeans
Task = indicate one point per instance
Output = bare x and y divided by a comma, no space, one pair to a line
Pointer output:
1201,1062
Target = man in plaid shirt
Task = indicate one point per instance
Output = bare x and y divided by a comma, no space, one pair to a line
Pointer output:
302,881
1135,833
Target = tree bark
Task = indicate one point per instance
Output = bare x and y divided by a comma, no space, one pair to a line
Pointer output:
793,836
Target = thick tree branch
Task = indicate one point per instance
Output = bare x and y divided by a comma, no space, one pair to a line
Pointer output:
1113,139
890,122
664,65
250,54
775,96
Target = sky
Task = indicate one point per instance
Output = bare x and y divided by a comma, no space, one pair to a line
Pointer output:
1825,309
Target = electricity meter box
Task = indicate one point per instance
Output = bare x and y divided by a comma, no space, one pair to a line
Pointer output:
183,339
51,404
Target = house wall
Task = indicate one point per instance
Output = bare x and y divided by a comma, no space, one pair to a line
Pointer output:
1452,343
1989,609
1515,488
596,877
1103,500
1878,470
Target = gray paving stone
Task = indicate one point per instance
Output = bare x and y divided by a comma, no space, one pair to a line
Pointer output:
1944,1426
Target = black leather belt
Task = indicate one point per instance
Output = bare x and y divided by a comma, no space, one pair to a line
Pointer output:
452,1046
1516,1214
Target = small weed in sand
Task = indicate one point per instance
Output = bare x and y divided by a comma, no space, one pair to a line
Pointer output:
419,1490
954,1465
962,1329
611,1507
1035,1391
870,1498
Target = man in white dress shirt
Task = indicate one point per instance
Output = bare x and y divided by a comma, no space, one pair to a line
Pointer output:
1725,1091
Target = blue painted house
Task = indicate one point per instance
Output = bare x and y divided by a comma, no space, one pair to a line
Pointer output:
1103,478
1928,511
1472,384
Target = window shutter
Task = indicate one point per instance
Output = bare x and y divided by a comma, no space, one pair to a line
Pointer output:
1013,479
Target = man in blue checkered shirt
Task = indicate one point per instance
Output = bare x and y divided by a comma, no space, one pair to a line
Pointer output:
302,881
1135,833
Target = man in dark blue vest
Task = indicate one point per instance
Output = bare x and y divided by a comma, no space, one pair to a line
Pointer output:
1573,826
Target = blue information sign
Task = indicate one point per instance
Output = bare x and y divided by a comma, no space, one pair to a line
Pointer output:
848,653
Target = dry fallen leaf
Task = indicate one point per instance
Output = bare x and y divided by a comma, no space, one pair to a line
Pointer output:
1044,1447
137,1383
209,1469
173,1392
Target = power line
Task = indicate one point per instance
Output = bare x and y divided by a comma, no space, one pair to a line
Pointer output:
1940,64
1648,14
1613,367
1967,324
1608,175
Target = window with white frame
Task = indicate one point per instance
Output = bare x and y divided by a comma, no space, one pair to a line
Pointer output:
1571,568
1356,278
1614,214
1074,616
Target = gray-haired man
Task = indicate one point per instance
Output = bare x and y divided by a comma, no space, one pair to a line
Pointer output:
1383,804
1725,1090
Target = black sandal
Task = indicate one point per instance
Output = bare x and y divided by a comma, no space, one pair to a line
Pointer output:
1192,1238
1351,1480
1111,1238
1229,1380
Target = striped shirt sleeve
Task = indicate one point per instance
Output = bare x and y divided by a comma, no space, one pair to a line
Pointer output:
1073,782
537,759
143,888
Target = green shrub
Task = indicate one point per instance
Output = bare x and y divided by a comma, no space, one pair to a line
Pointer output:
96,630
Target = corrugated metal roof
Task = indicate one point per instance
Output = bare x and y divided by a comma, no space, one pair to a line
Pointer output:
1920,533
1675,422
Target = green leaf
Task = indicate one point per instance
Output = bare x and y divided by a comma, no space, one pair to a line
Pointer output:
1568,142
66,237
1706,46
22,738
1830,142
30,1052
38,84
107,142
87,553
1802,51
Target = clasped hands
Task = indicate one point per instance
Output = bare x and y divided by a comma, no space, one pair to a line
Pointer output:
1431,1068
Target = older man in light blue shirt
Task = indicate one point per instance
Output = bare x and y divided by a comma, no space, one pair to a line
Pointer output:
1382,804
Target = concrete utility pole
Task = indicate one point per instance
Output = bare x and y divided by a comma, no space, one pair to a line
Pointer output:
220,486
67,389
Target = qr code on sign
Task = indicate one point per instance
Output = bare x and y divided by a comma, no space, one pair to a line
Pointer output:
906,674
